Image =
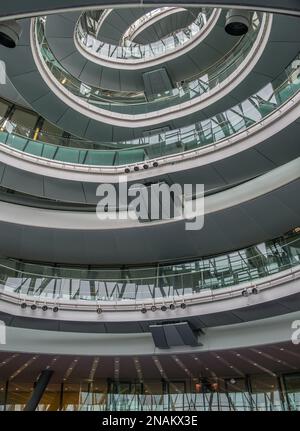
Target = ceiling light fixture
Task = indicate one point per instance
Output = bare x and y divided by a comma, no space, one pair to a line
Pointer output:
10,32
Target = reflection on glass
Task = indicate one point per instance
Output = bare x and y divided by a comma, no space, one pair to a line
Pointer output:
250,393
130,50
167,281
234,120
136,103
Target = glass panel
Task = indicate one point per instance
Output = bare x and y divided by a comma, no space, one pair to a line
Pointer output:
205,132
203,394
292,387
265,393
23,119
164,281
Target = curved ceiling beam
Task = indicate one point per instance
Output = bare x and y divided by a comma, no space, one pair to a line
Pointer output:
76,237
144,63
75,220
56,339
202,156
137,27
20,9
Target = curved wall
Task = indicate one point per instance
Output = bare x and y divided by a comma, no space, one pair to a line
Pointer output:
275,329
233,219
17,8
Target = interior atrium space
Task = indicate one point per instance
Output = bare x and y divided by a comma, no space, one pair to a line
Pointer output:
149,207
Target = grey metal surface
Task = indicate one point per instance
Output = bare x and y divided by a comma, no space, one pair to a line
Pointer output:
59,32
33,7
31,86
57,340
254,220
265,156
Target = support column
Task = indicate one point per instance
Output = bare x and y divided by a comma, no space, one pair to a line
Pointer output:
249,390
39,390
61,396
6,394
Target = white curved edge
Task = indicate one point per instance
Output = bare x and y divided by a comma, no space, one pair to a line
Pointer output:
205,302
75,220
163,14
271,330
103,17
269,9
137,64
162,115
227,147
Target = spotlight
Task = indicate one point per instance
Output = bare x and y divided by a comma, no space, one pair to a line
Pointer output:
10,32
44,308
153,308
172,307
23,305
145,166
237,22
183,305
155,164
99,310
136,168
233,381
254,291
33,307
55,309
127,170
163,308
144,310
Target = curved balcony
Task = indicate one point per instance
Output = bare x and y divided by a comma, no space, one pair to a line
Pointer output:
16,11
92,20
176,285
266,103
132,109
132,55
118,101
147,20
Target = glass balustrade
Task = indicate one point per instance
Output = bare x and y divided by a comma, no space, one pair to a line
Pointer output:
146,18
92,20
255,392
163,281
224,125
214,401
131,103
134,51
